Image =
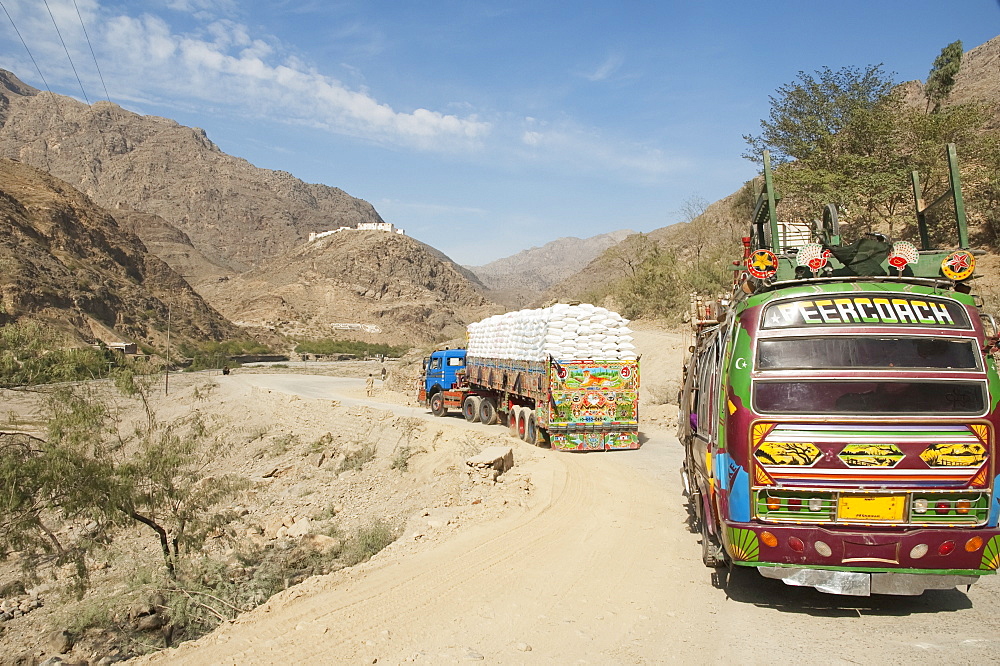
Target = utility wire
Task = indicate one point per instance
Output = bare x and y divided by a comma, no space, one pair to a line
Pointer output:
121,131
86,99
66,49
55,99
33,62
99,74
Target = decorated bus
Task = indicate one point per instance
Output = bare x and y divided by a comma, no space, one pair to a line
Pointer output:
839,410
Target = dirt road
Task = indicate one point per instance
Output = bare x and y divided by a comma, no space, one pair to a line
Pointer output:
600,568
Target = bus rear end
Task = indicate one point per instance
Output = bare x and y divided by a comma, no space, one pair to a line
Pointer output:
858,454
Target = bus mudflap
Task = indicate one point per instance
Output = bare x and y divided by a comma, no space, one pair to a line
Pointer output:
861,584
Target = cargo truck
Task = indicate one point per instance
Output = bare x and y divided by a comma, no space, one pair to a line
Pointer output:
577,404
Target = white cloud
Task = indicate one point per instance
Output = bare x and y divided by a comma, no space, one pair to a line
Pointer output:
587,150
221,66
531,138
199,6
225,65
607,68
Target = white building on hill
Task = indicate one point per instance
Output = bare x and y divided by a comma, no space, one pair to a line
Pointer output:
388,227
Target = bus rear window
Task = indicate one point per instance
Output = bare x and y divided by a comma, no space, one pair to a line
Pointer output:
854,397
866,352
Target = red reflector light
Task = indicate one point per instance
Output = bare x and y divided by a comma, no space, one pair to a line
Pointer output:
769,539
795,503
942,507
946,548
974,544
796,544
963,506
773,504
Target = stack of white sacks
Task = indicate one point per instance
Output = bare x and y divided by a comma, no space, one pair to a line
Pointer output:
564,332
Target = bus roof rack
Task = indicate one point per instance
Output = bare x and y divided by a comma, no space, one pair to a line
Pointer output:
800,252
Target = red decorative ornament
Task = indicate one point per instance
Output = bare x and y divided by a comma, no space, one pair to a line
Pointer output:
958,265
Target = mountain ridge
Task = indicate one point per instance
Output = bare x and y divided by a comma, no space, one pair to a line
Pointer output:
68,264
524,277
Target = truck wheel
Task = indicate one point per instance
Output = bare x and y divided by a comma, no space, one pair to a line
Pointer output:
513,416
530,431
522,423
470,408
488,411
437,405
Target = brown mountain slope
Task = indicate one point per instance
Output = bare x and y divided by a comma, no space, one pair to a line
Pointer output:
172,246
67,263
233,212
371,278
522,278
691,242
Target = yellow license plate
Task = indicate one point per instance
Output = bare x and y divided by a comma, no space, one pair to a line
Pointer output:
872,508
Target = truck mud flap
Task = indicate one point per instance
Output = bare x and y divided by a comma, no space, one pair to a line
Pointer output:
595,441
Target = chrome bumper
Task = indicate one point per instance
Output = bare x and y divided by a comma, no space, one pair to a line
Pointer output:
861,584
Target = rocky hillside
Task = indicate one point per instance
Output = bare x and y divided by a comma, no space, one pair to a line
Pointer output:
691,243
69,264
211,217
401,290
236,214
979,77
518,280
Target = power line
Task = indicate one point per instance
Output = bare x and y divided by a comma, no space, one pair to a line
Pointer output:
99,74
121,131
55,99
66,49
33,62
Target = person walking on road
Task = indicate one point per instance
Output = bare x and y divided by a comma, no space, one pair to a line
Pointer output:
370,385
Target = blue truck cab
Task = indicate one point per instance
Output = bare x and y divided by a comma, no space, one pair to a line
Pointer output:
441,369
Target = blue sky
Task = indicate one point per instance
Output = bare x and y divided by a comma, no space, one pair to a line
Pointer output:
482,128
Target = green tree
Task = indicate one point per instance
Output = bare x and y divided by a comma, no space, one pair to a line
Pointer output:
941,78
92,465
32,354
654,288
814,107
847,138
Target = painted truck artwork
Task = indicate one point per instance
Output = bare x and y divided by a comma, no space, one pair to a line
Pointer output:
840,420
587,401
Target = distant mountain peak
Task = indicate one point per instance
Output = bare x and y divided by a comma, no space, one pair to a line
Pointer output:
521,278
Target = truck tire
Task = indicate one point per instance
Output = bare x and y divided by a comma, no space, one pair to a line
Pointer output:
522,423
437,404
530,429
488,411
470,408
513,416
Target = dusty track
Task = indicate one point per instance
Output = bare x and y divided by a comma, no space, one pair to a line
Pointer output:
600,568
